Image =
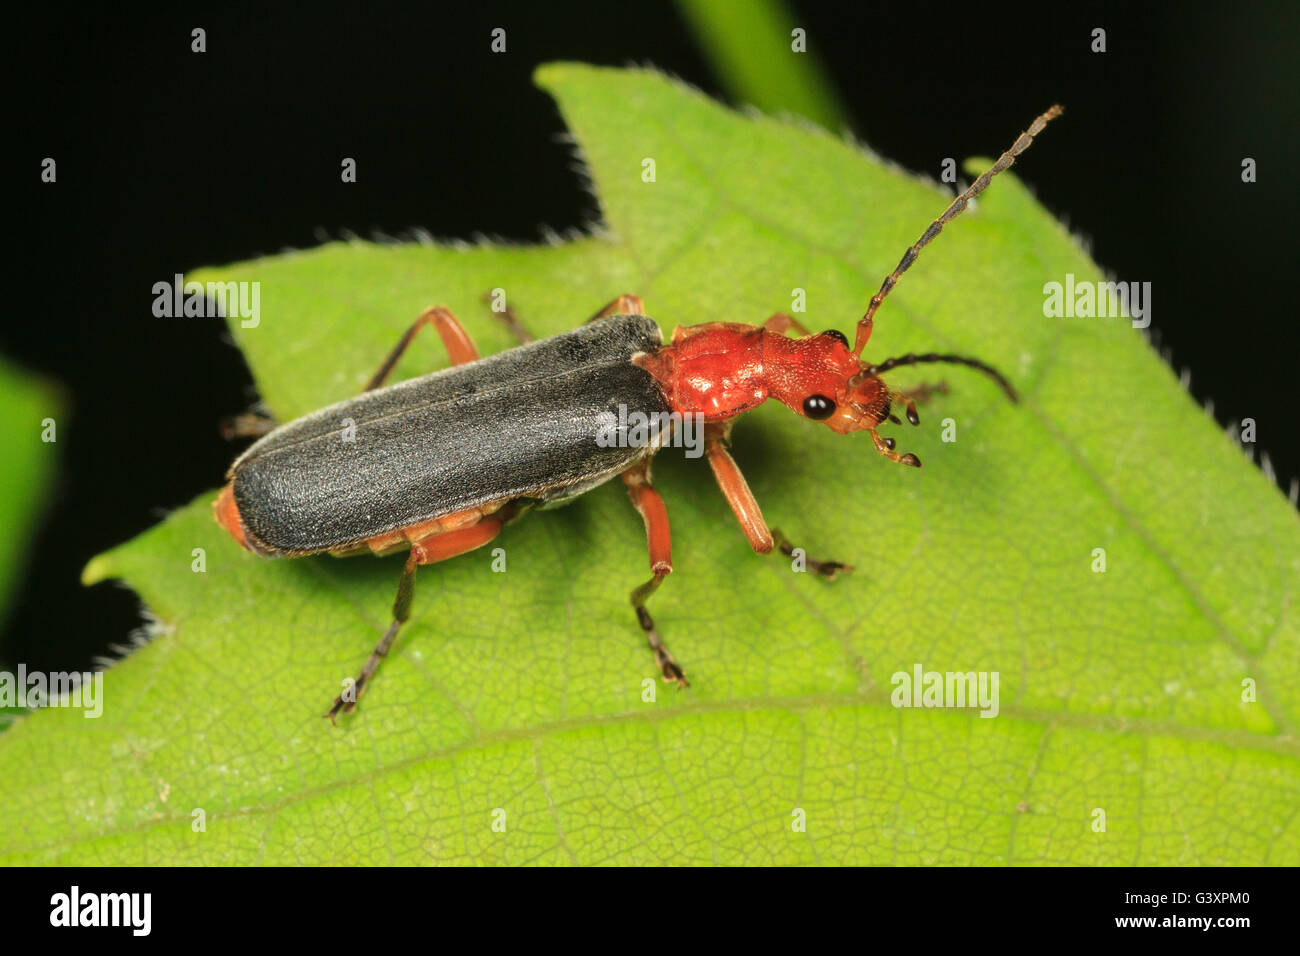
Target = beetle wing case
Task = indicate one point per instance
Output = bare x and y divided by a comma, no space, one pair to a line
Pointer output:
519,424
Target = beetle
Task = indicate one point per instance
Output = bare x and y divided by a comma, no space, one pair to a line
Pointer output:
436,466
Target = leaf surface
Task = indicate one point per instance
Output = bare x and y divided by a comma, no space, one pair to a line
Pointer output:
518,696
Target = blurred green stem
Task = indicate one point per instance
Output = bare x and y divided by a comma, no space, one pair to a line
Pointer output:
753,47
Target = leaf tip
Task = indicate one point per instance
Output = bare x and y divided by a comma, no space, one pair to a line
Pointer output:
99,568
549,75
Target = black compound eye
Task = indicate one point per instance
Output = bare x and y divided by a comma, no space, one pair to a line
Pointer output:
837,334
818,407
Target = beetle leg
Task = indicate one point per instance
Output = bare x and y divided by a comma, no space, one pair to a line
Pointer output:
439,547
830,570
736,490
460,348
919,394
886,447
658,537
347,702
780,323
246,425
511,320
623,305
923,392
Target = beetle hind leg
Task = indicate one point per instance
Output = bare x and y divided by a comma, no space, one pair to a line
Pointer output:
346,702
648,502
438,547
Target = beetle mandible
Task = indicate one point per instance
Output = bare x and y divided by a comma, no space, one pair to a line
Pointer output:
449,458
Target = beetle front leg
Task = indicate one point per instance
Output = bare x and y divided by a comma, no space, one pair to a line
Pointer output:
736,490
886,447
460,347
648,502
436,548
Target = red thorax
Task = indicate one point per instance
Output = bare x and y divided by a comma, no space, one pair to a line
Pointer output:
722,369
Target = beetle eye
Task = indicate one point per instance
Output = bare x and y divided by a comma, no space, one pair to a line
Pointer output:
818,407
837,334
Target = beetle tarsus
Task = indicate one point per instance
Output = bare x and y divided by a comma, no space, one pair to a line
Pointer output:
829,570
886,447
509,318
401,613
372,664
668,666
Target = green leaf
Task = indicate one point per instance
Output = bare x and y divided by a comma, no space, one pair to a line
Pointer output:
522,692
27,466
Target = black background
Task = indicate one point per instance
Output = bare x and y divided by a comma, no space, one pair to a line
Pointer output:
169,160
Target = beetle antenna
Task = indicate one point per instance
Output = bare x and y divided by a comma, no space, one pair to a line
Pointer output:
911,359
955,209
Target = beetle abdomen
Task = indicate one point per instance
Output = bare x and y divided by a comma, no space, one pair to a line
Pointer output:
519,424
